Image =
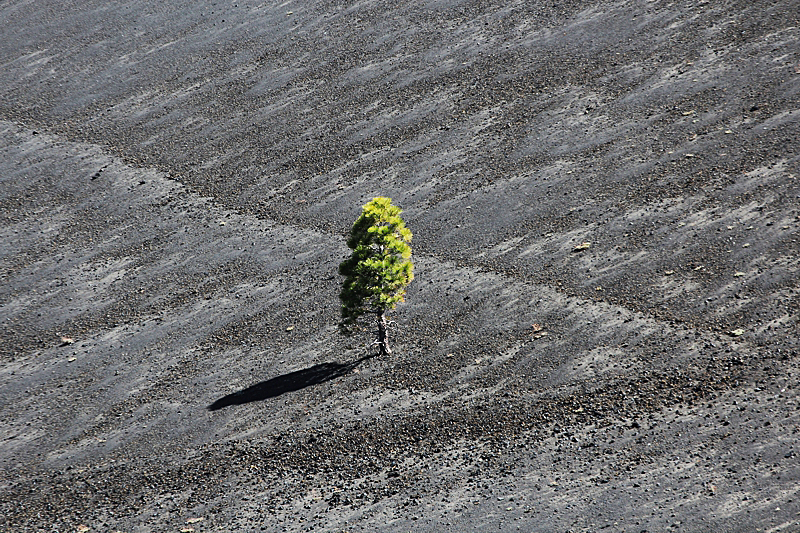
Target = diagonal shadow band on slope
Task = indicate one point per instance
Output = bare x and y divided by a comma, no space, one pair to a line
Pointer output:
49,145
290,382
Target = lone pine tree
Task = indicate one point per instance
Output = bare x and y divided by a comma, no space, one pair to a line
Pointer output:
378,271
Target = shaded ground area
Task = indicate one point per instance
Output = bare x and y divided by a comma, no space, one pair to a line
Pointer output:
602,333
291,382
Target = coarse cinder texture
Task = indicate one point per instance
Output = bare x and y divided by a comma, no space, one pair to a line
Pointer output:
602,333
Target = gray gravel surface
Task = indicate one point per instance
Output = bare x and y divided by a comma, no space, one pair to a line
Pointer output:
603,330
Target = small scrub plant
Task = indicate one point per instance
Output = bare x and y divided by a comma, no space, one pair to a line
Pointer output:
378,271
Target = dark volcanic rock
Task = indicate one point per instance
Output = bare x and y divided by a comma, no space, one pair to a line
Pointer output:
177,180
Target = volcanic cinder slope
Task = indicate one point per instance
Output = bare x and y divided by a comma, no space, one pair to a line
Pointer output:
176,181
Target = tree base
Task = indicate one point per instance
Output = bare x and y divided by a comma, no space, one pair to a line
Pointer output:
383,336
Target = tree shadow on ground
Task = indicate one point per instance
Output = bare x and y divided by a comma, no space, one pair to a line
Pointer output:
290,382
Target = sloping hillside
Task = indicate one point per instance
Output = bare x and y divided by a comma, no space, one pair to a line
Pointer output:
602,333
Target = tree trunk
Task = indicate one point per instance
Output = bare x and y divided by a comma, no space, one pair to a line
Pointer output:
383,335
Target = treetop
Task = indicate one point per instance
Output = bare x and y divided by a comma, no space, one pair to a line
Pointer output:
379,269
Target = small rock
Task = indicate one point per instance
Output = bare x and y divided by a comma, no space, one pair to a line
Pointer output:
582,246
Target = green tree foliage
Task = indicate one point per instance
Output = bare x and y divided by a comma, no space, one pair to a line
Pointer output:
379,269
